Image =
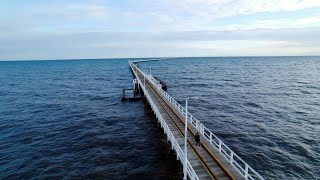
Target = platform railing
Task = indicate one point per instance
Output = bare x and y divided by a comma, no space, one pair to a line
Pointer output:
242,167
174,144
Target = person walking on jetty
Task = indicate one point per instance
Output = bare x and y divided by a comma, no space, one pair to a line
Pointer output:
197,138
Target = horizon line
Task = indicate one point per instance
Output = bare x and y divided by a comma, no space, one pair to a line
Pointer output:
173,57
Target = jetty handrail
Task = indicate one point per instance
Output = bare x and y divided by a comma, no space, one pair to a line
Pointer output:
242,167
175,145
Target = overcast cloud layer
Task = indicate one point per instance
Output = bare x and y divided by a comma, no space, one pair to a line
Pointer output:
105,29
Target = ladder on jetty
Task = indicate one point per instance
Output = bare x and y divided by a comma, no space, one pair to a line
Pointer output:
215,160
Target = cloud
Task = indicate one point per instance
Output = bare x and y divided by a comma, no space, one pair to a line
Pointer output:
158,15
52,17
311,21
73,11
223,8
307,22
98,28
167,15
303,41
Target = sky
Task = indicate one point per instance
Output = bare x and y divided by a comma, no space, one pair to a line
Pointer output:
79,29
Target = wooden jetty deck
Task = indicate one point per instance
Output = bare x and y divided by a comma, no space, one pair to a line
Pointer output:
214,160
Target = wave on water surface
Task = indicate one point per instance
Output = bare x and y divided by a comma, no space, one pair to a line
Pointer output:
64,119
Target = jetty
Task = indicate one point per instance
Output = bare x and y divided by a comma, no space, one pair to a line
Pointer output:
214,160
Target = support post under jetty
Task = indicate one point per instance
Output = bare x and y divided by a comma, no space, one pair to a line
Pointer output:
125,96
214,160
135,95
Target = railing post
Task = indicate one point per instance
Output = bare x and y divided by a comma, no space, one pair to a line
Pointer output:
231,157
246,171
144,81
210,137
220,145
197,125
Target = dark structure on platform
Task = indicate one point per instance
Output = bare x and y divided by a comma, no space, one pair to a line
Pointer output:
135,95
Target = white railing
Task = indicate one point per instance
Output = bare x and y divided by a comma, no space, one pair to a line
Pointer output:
180,153
243,168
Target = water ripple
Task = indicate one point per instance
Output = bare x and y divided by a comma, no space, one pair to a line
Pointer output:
64,120
265,108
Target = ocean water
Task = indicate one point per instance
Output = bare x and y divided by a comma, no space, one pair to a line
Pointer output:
267,109
64,119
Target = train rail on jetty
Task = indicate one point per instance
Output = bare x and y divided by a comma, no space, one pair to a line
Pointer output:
215,160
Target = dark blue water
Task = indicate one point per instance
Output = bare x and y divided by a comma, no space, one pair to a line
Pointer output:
267,109
63,119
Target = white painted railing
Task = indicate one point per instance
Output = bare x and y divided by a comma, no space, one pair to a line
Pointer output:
180,153
244,169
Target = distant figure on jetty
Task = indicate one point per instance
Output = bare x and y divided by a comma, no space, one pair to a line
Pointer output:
197,138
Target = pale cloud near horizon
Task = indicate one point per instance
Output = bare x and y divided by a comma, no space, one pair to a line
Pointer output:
106,29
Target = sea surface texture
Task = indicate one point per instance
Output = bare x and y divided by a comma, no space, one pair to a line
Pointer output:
64,119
